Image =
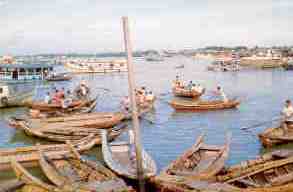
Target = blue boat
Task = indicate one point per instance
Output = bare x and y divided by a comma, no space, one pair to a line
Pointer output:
24,73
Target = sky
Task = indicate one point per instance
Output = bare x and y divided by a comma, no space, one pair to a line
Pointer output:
89,26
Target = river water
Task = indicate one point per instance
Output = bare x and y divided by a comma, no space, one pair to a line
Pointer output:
166,133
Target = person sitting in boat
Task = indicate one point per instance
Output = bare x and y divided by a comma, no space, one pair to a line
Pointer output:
176,82
221,94
287,114
66,102
199,88
55,97
82,90
47,98
61,93
125,104
190,84
150,97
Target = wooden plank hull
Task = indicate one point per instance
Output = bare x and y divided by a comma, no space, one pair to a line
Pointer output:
271,172
275,136
71,134
203,105
28,156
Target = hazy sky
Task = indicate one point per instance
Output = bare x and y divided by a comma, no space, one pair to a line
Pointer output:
42,26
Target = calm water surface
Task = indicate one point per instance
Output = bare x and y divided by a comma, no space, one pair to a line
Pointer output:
262,94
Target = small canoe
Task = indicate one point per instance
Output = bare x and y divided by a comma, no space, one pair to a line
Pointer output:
74,106
184,92
97,120
98,178
80,174
275,136
59,77
187,105
117,157
200,161
28,156
62,134
274,174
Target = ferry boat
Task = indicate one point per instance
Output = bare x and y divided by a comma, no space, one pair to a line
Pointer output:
24,73
96,66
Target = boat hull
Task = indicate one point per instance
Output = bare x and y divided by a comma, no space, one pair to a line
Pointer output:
206,106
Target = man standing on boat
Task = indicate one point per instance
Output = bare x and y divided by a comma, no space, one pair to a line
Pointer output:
287,115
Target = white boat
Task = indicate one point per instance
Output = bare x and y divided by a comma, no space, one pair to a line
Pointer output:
117,157
96,66
9,98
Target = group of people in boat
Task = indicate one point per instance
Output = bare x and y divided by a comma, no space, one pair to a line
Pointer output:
218,94
177,83
65,98
143,99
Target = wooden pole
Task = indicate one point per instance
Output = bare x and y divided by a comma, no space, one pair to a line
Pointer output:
128,50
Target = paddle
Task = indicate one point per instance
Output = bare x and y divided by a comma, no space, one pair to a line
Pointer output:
261,123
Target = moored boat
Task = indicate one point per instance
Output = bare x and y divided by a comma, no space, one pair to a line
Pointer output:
80,174
28,156
62,134
200,162
269,173
185,92
117,157
200,105
276,135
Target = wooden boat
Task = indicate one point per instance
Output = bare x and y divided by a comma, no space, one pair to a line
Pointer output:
62,134
28,156
80,173
10,185
275,136
117,158
270,173
59,77
89,177
74,106
83,122
184,92
187,105
201,162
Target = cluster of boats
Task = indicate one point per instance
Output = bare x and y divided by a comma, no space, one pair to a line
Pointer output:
77,129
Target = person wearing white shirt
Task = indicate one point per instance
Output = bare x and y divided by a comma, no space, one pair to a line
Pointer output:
287,114
47,98
221,94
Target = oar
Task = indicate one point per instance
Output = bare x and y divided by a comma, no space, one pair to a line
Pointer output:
261,123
